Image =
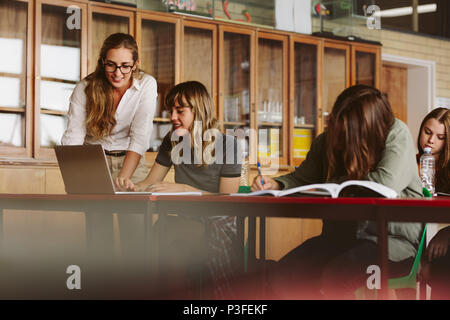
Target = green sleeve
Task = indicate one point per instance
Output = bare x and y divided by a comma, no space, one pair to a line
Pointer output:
397,168
311,170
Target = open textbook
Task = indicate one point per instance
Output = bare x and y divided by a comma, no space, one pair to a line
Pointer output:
364,188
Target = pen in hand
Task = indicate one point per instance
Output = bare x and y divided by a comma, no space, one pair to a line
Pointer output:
260,174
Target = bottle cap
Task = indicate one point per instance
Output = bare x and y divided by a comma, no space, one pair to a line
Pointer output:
427,150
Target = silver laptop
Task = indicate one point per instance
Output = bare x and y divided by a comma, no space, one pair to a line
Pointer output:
85,170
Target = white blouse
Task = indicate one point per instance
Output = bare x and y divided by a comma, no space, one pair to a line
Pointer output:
134,116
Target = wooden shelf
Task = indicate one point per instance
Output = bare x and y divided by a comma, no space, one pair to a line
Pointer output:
236,123
53,112
12,109
270,124
304,126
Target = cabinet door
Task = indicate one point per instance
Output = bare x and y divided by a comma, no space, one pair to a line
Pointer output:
336,75
365,66
198,57
236,65
59,68
104,22
157,44
15,75
303,96
271,98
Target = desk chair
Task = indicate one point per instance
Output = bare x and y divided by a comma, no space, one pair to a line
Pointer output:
408,281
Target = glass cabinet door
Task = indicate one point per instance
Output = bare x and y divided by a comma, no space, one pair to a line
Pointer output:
235,68
271,98
336,75
364,67
104,23
199,54
15,97
59,70
157,45
303,97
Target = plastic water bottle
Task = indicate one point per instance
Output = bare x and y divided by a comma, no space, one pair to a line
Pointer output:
427,170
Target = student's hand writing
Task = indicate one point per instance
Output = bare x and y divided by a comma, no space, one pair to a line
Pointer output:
438,246
269,183
123,183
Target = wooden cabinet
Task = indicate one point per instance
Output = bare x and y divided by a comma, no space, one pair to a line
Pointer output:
304,96
199,54
277,86
237,82
104,21
347,63
62,64
271,97
158,39
366,65
15,78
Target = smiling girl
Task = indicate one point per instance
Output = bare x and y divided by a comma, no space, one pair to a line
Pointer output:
114,106
206,239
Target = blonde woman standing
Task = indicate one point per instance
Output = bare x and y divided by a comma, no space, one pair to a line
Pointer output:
114,106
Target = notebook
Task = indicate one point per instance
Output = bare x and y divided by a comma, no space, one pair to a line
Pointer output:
85,170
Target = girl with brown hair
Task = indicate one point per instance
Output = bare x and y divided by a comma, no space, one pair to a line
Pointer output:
207,165
363,142
434,133
114,106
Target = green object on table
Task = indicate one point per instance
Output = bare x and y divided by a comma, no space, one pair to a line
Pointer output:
244,189
426,193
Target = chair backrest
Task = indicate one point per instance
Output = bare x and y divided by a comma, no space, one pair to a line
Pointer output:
416,264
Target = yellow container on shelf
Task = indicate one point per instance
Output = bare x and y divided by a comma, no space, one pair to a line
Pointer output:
302,142
274,136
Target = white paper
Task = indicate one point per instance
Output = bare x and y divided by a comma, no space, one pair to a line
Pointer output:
10,88
56,95
11,129
52,129
60,62
11,55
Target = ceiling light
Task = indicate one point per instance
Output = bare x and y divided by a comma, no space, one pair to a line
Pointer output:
405,11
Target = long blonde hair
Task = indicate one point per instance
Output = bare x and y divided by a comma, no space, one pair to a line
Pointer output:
198,98
100,111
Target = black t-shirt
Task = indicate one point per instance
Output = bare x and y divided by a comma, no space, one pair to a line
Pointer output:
228,159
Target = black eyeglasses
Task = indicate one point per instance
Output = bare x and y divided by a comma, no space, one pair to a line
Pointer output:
112,67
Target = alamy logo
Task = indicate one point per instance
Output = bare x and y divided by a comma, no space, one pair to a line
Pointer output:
74,280
374,281
374,20
74,20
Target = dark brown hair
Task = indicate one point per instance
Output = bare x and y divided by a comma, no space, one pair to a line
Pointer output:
100,112
443,164
357,130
